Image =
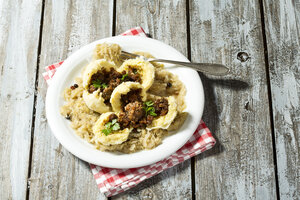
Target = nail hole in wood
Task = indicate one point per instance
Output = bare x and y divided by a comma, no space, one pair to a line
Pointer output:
242,56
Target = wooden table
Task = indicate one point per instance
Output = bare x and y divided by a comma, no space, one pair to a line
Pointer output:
254,113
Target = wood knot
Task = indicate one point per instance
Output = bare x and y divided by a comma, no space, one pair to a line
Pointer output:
242,56
147,195
247,105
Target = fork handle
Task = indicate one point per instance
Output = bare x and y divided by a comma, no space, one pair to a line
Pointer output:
209,68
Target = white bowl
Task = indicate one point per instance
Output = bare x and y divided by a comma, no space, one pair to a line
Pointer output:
71,68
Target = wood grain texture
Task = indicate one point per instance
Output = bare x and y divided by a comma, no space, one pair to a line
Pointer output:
282,24
237,108
68,25
19,35
165,21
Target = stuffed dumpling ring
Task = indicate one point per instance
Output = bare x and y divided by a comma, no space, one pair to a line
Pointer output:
143,68
113,138
94,100
94,67
165,121
123,89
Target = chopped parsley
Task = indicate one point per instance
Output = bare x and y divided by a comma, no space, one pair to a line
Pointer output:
104,85
111,126
124,77
98,84
149,109
106,131
149,103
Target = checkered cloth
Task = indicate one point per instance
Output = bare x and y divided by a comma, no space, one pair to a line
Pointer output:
114,181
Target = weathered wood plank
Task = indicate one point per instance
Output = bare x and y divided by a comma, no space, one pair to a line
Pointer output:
237,108
282,24
165,21
55,173
19,36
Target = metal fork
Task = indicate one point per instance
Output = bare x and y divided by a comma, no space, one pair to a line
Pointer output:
209,68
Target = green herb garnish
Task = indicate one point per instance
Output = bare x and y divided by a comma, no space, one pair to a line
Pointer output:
116,127
124,76
149,109
98,84
106,131
111,126
149,103
104,85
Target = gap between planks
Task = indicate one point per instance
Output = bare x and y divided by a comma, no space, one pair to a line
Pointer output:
188,34
34,99
266,55
114,20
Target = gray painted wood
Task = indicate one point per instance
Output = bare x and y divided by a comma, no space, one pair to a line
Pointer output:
237,108
236,111
55,173
282,24
18,59
165,21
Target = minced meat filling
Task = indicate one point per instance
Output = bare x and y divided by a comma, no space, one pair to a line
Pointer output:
100,80
134,111
133,75
132,96
161,106
112,116
107,81
134,115
106,93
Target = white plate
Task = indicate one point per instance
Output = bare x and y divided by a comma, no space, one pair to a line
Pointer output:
71,68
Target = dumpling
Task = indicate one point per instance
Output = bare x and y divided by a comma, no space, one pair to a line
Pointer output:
94,67
144,68
113,138
133,89
165,121
94,99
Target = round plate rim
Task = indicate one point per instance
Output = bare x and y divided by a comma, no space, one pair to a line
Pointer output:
118,161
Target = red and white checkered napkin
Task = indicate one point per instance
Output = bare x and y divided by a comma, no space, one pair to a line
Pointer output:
114,181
